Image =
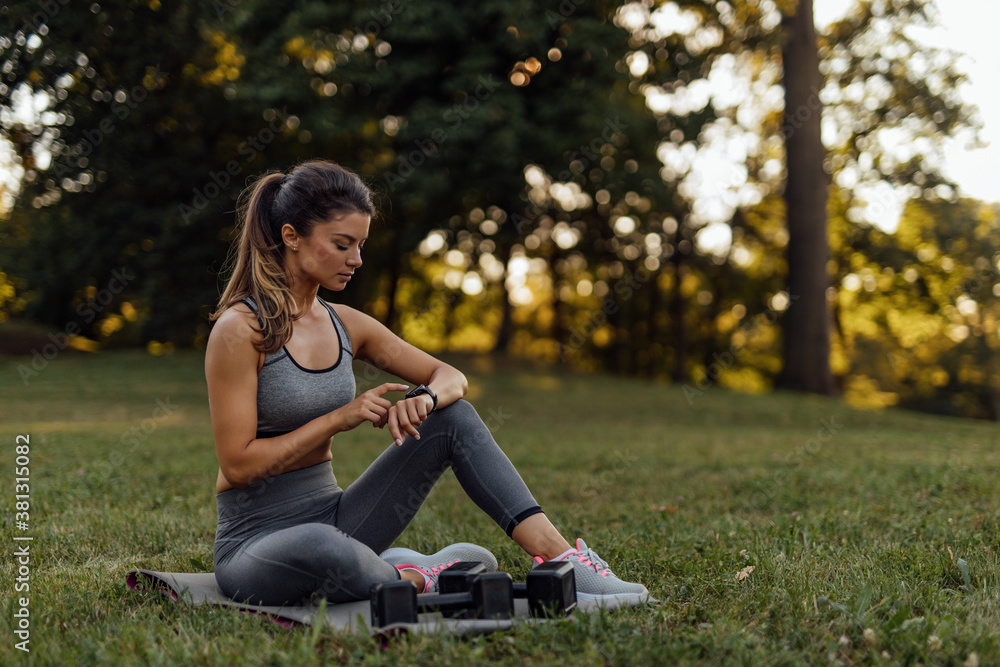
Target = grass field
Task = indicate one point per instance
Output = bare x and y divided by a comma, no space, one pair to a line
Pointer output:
872,537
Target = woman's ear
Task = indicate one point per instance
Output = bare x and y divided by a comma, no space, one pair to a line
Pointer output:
289,236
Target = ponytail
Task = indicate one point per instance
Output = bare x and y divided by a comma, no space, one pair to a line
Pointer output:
313,192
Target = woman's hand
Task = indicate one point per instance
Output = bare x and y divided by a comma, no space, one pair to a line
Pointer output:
406,415
369,406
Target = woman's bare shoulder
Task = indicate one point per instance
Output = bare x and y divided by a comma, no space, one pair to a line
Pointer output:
345,312
358,323
352,315
237,326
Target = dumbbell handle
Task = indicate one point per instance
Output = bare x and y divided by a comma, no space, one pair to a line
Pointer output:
443,601
520,589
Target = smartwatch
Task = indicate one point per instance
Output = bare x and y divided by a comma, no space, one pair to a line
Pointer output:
423,389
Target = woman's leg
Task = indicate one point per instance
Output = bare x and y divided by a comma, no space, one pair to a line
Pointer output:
275,543
378,506
296,563
382,502
537,536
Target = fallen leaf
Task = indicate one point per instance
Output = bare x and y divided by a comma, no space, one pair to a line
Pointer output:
744,574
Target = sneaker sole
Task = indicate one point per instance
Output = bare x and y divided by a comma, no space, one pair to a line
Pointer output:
634,599
401,552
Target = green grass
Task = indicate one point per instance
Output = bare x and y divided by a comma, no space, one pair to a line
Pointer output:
864,529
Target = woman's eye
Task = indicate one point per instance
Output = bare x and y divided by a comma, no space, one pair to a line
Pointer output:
341,247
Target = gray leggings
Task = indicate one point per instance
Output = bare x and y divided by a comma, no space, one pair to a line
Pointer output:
298,535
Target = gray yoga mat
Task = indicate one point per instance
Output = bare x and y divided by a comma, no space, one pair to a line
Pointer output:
201,588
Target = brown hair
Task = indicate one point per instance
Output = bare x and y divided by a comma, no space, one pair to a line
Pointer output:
314,192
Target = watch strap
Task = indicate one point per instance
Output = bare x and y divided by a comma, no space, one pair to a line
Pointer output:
424,389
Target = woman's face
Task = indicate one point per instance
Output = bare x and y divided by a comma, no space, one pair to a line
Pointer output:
332,253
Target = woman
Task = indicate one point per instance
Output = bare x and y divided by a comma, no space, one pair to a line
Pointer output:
280,386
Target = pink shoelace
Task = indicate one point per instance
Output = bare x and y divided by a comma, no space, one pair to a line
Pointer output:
601,568
435,570
438,568
588,558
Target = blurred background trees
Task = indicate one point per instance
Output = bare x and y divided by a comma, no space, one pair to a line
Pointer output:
599,184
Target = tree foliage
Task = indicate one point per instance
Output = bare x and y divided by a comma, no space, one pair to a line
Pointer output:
553,181
919,311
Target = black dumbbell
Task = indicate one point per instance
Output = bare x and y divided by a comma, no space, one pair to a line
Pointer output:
458,578
487,595
550,588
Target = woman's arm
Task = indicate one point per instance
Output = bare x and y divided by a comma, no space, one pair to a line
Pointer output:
375,343
231,372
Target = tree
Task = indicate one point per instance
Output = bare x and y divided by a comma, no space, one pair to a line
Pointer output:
864,81
124,166
807,321
918,310
444,106
440,105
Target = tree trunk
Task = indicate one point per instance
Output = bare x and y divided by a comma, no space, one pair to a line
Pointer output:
506,323
395,272
558,329
652,330
711,324
807,322
679,374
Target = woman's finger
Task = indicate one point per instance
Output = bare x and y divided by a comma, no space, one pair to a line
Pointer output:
393,422
412,411
407,421
383,403
422,409
387,387
402,417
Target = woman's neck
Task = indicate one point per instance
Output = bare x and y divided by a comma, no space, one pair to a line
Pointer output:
304,295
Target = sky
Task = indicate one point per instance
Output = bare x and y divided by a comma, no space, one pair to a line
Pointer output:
969,27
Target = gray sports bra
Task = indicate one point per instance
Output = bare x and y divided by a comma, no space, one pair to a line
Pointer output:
289,395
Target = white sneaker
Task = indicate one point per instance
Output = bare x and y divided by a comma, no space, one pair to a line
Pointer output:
432,565
596,581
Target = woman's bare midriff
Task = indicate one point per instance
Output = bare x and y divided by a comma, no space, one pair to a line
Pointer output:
318,455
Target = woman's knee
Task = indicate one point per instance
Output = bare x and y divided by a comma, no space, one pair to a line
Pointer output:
466,431
304,547
316,559
461,413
